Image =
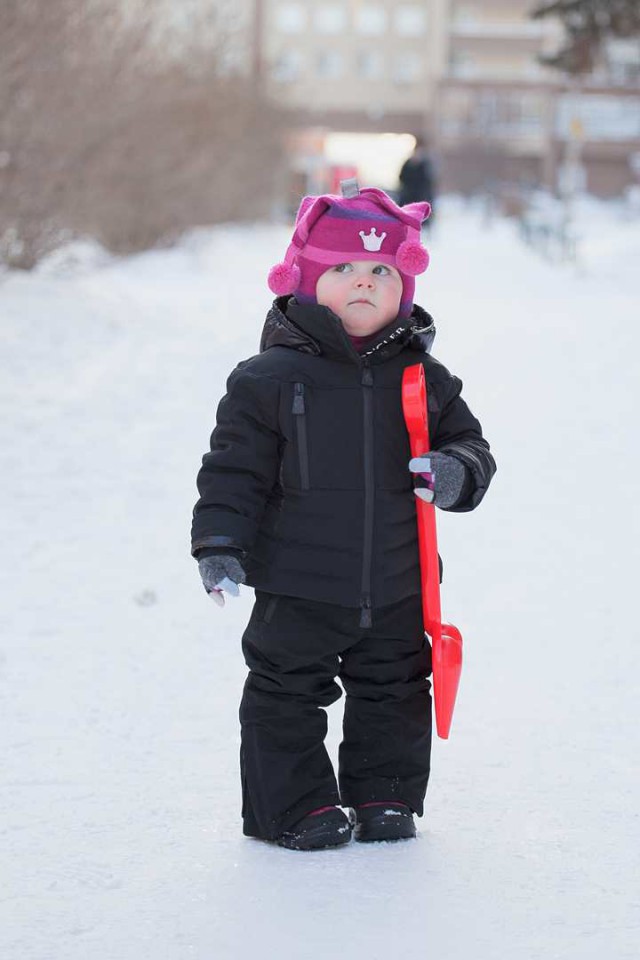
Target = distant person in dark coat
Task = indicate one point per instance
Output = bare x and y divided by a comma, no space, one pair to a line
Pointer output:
417,179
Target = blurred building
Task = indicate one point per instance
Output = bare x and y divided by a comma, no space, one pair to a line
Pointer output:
463,72
501,114
494,113
353,65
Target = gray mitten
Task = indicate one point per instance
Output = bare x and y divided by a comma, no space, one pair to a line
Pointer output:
440,478
222,572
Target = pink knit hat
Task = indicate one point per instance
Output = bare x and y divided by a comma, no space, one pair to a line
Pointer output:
360,225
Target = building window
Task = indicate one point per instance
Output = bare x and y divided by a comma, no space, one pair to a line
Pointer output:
330,18
371,19
286,67
621,62
603,118
330,65
530,110
534,70
410,20
462,65
407,68
290,18
509,115
466,13
370,65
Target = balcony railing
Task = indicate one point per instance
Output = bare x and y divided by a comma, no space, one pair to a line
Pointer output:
531,72
500,29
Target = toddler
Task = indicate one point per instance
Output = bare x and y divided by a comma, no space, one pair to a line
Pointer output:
307,495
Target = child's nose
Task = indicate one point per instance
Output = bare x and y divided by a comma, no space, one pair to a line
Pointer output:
364,280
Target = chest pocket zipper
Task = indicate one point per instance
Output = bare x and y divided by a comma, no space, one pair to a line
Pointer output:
300,414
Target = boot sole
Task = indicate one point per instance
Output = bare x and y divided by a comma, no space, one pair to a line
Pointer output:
383,835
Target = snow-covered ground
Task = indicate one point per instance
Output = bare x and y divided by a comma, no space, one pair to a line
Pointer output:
119,678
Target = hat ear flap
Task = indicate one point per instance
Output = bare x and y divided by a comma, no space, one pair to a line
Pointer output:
311,208
285,278
420,210
305,204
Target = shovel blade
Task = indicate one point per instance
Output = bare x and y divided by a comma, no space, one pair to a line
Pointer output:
447,667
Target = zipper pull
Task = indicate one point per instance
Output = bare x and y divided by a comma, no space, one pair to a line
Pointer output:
298,399
365,613
367,377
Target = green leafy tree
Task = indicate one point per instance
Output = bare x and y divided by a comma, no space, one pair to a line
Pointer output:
588,24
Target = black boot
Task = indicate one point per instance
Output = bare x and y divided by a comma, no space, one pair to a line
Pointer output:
328,827
383,821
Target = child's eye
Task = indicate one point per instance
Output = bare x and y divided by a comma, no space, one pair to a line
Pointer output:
381,269
343,268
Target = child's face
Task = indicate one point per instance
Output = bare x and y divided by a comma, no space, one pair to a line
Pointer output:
364,294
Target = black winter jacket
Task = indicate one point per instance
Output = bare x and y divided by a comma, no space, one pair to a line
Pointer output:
308,471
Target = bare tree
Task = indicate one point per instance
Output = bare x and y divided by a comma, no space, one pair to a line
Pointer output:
102,133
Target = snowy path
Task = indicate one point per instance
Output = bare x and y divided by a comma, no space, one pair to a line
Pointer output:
119,679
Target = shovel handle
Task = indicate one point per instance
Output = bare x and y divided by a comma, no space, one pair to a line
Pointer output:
416,415
446,640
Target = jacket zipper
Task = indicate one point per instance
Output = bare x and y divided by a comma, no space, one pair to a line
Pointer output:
367,553
299,412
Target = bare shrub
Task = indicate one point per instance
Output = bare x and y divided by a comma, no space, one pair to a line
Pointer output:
103,135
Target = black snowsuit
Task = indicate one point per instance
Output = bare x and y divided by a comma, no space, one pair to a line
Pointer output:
308,481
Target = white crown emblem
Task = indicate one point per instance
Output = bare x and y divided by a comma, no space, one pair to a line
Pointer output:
371,240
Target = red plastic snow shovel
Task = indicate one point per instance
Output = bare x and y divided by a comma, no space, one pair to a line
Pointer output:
446,640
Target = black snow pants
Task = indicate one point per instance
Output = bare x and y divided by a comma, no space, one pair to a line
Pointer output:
295,649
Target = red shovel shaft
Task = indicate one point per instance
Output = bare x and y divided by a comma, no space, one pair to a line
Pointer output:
446,640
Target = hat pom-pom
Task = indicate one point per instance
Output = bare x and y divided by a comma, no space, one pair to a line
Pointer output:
412,258
284,278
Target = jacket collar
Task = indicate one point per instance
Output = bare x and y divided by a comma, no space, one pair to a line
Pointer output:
314,329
